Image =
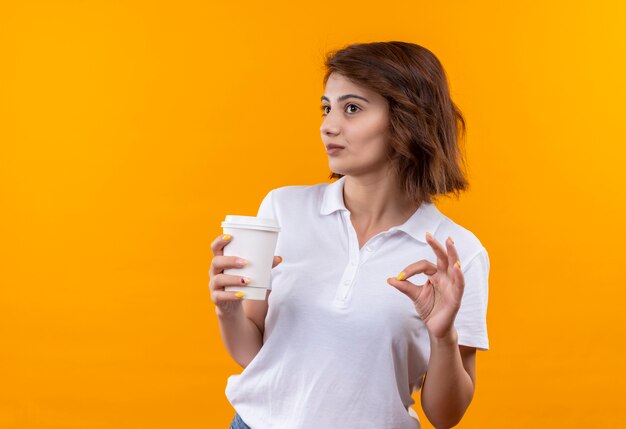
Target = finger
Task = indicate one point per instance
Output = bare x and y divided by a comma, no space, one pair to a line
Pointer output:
453,255
218,244
459,280
411,290
277,260
442,257
217,248
455,272
222,280
422,266
220,263
459,275
221,296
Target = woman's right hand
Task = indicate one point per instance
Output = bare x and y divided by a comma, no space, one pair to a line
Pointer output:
226,302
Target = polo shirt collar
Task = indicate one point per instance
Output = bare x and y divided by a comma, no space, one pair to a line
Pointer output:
425,219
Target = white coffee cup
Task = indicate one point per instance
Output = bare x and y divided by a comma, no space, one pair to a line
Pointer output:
254,239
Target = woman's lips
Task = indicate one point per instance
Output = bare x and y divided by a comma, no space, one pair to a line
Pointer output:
331,150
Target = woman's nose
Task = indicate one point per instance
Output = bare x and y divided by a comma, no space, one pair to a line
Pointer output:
329,126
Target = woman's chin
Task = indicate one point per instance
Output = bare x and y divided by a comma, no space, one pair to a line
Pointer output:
332,166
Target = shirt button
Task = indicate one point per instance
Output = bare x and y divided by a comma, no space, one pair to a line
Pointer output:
369,249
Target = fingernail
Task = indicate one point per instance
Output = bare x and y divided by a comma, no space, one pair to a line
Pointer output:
240,294
459,264
401,276
240,261
245,280
429,235
281,259
226,237
451,240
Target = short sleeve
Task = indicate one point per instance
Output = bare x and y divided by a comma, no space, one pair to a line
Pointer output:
471,319
266,209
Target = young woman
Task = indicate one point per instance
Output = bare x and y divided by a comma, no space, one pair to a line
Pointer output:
344,338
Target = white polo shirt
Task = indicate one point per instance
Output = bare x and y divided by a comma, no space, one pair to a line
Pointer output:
342,348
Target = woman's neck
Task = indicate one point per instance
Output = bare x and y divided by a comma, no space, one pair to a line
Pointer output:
377,202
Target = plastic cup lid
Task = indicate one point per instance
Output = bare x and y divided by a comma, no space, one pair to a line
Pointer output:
251,222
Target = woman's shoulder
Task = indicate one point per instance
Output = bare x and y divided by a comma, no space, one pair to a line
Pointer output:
465,240
298,193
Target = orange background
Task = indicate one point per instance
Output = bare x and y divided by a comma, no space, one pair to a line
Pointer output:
129,129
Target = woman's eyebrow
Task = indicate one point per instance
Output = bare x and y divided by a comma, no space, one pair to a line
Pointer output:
343,97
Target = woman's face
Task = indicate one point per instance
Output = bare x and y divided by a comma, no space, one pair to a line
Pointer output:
358,123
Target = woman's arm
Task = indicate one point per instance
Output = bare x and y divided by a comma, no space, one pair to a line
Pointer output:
448,387
449,383
240,335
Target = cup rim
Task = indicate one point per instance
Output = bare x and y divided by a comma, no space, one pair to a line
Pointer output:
251,222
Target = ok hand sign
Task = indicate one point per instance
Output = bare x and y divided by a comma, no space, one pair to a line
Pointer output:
438,300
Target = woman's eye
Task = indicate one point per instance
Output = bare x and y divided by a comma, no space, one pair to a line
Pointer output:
348,106
353,105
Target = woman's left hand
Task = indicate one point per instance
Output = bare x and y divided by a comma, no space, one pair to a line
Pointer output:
438,300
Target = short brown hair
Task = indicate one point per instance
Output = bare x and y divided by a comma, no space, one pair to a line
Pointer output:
425,125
